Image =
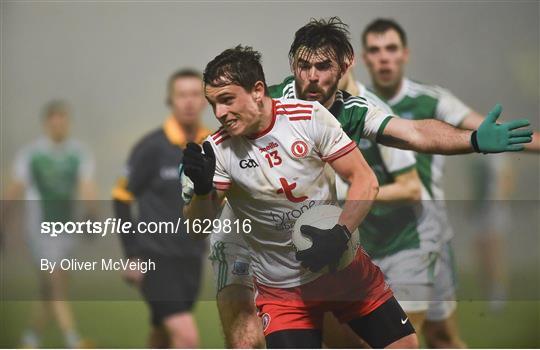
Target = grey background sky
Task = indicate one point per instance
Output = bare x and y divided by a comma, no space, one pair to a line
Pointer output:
110,60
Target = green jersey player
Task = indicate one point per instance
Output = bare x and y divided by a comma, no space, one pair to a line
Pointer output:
385,55
51,173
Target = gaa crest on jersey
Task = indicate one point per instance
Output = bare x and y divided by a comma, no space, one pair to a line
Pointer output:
364,144
265,321
299,149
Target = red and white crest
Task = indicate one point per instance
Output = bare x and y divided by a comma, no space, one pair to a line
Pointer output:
299,149
266,321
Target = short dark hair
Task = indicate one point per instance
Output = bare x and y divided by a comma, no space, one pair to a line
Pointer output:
55,107
331,35
382,25
240,66
179,74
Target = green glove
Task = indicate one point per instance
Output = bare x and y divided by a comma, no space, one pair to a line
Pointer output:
506,137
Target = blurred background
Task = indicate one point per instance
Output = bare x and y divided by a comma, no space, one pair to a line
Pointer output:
110,61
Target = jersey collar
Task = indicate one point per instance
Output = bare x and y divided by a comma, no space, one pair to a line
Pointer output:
401,93
176,135
272,122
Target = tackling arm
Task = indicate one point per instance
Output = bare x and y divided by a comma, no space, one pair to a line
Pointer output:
406,187
434,136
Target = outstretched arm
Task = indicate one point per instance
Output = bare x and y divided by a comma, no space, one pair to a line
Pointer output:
473,120
433,136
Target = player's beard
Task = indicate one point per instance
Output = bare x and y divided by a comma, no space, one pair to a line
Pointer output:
324,96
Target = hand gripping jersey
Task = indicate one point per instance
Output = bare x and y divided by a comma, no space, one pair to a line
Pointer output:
273,177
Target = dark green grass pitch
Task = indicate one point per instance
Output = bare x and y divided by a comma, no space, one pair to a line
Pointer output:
125,324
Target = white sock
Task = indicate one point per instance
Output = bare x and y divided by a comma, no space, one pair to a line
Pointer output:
30,339
72,339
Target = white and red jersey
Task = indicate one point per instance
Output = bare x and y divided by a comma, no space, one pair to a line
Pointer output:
273,177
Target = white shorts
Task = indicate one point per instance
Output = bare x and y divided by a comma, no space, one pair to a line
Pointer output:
444,302
411,275
230,256
43,246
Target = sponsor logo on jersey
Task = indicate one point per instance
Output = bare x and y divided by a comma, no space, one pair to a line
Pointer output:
299,149
364,144
248,163
270,146
284,220
265,321
407,115
240,268
287,189
169,173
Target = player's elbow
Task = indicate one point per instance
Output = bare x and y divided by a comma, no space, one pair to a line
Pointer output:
414,191
373,186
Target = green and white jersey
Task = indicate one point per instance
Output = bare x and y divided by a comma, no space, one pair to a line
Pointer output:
358,117
388,228
51,173
418,101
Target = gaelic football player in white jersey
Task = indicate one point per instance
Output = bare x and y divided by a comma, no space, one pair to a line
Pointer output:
385,55
229,253
285,138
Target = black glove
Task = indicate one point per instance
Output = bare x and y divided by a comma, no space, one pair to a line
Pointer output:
200,167
328,247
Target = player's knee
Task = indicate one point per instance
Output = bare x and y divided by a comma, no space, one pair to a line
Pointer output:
183,339
182,331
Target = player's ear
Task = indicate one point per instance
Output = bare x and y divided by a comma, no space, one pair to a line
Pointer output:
258,91
348,63
405,54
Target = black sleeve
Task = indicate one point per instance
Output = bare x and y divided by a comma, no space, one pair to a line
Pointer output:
122,210
141,166
140,171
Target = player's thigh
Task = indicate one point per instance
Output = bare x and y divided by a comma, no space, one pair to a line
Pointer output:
230,257
238,314
236,304
338,335
387,324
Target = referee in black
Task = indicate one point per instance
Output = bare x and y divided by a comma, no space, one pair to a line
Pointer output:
152,182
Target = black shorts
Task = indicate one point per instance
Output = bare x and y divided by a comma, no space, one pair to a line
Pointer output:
384,325
173,287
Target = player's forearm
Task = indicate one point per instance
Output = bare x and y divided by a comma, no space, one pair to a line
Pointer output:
396,192
360,197
427,136
201,208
